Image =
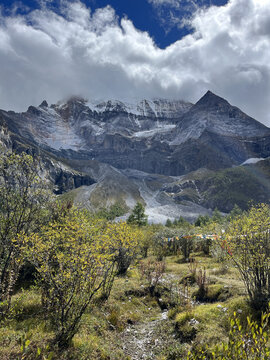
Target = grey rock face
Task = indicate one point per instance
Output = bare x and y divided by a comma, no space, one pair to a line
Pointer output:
129,152
157,136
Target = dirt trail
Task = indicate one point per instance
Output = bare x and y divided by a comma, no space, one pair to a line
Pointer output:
143,341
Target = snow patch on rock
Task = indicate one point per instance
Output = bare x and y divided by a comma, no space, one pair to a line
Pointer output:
252,161
159,129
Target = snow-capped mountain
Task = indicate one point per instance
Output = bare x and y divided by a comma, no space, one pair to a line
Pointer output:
159,108
77,123
162,137
216,115
156,136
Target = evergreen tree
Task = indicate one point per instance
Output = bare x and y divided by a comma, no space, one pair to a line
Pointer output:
236,211
217,217
183,222
138,216
202,220
168,223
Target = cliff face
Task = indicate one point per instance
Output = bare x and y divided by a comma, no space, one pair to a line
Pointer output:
161,137
62,177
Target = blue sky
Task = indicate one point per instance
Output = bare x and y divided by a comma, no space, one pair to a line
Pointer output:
156,17
133,49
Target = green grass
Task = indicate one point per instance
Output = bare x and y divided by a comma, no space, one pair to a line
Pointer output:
238,185
100,337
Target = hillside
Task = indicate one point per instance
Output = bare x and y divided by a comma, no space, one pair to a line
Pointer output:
241,185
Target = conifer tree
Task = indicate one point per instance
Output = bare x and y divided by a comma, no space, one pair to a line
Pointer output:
138,216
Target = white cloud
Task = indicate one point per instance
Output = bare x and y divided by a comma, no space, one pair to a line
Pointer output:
174,3
48,56
177,13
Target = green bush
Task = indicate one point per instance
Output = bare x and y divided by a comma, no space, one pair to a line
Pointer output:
184,329
244,343
72,257
247,243
213,293
186,246
23,208
115,210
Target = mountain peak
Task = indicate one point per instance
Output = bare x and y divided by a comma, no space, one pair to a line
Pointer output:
70,101
210,99
44,104
33,111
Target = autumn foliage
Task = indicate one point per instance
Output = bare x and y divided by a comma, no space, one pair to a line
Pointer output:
76,257
247,242
24,199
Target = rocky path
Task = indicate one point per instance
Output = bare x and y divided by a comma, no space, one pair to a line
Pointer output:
143,341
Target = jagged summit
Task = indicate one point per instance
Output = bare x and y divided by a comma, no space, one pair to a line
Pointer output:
159,136
218,110
144,151
159,108
44,104
210,99
215,115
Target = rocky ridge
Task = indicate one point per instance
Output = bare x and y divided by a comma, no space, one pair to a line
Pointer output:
146,151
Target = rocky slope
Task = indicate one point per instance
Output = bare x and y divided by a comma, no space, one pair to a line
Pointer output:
241,185
129,186
152,151
60,175
163,137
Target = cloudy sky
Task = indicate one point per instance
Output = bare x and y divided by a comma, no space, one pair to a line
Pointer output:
127,49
